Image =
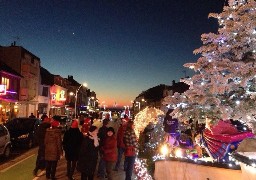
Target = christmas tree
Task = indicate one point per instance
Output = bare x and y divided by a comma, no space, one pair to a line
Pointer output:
224,84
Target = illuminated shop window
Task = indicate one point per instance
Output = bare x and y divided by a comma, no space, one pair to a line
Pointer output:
6,82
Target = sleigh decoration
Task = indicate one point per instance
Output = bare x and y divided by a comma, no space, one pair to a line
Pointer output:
222,139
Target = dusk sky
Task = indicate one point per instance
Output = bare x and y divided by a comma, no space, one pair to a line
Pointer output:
118,47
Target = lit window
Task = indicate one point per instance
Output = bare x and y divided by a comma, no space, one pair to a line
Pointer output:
6,82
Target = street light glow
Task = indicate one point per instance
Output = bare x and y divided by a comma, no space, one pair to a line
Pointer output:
85,85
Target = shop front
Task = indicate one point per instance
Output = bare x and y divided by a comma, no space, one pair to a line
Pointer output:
8,104
58,99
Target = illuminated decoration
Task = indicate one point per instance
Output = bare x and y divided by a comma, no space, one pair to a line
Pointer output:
164,150
224,84
144,117
140,170
248,164
178,153
245,159
2,89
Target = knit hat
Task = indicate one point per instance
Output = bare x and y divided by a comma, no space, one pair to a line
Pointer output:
55,123
74,124
92,128
111,129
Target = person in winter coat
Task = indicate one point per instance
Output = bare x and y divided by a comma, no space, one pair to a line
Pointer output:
120,144
71,145
53,149
131,145
88,155
109,151
40,134
102,135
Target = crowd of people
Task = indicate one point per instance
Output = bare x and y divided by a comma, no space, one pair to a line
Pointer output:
85,147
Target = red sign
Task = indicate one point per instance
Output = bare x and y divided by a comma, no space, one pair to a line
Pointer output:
2,89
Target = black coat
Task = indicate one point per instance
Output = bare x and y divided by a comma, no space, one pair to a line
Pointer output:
71,143
39,138
102,134
88,156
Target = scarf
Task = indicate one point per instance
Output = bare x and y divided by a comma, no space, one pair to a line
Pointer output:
95,139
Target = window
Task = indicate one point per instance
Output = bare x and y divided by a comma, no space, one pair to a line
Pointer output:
45,91
6,82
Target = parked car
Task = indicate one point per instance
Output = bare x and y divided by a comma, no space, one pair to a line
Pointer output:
65,121
5,142
22,131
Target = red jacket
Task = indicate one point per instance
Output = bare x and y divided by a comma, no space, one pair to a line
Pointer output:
109,149
120,136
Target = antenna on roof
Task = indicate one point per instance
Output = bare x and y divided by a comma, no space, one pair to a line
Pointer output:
16,39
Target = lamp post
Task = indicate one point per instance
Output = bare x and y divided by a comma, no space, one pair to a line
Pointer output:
85,85
139,104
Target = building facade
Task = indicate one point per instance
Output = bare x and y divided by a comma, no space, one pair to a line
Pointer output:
9,92
28,65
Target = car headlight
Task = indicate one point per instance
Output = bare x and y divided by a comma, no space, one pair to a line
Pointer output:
23,136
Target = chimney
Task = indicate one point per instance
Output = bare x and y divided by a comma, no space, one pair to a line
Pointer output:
173,82
70,77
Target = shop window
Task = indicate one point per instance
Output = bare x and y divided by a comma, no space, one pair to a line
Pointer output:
6,81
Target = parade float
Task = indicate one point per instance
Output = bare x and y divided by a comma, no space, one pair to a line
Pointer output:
219,107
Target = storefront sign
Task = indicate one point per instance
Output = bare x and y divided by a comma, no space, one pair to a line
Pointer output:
2,89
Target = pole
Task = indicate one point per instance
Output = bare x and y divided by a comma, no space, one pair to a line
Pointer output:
76,98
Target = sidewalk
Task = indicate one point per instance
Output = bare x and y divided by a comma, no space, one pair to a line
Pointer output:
61,173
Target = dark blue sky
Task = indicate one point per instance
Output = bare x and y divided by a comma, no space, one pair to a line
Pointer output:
118,47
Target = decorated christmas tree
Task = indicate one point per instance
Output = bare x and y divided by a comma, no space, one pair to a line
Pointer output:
224,84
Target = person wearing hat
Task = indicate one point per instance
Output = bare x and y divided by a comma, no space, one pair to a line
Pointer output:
39,138
53,148
88,155
71,145
109,150
131,149
120,142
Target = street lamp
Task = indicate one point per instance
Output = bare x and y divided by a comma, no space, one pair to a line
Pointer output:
139,104
85,85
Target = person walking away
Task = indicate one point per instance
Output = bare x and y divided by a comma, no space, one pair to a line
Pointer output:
131,149
39,137
71,145
109,151
53,149
120,144
88,156
102,135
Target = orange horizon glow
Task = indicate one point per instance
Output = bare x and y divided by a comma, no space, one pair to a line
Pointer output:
109,102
